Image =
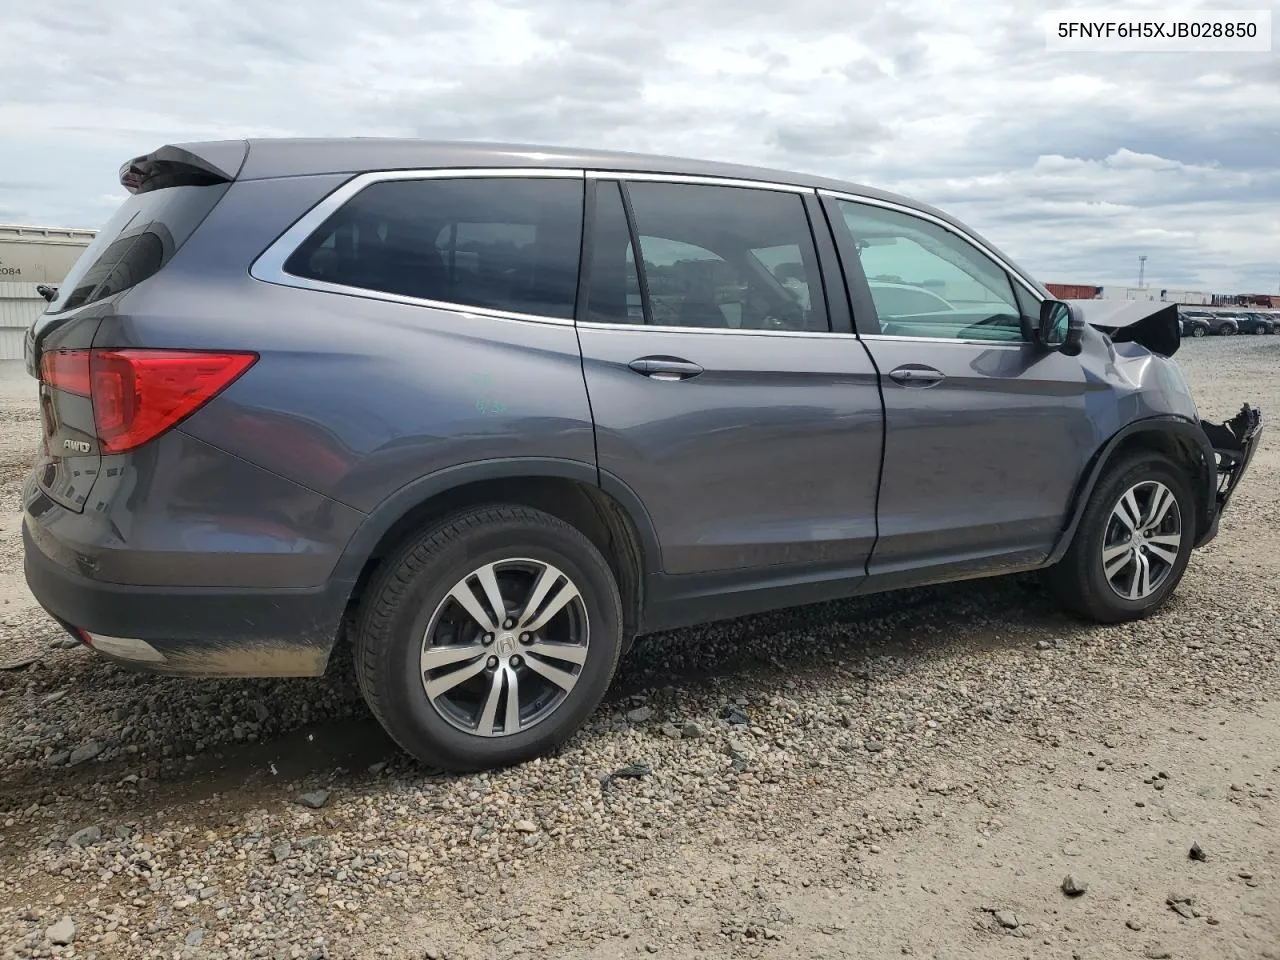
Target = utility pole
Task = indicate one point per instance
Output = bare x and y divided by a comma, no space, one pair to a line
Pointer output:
1142,269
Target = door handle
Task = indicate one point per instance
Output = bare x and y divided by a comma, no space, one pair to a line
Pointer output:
917,376
665,368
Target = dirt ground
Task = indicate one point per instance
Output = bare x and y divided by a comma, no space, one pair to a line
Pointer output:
913,774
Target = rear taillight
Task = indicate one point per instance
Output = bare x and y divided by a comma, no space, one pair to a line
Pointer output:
139,394
66,370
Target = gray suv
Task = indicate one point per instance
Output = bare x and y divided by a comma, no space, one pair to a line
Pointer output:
490,412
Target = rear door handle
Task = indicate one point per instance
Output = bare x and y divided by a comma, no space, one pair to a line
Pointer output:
665,368
917,376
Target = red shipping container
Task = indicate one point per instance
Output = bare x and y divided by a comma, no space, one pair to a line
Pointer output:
1072,291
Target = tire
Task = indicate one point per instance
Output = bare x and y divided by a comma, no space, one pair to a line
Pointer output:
1259,330
416,589
1198,331
1079,580
1228,330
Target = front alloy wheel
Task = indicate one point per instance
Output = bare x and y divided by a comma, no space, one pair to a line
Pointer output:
1132,542
1142,542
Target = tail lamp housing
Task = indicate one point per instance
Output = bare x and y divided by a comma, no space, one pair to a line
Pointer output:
138,394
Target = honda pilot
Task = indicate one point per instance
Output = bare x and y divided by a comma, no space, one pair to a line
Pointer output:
489,412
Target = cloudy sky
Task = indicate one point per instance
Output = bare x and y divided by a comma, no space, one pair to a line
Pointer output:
1074,163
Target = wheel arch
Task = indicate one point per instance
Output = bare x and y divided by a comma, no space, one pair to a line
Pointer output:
1181,441
601,506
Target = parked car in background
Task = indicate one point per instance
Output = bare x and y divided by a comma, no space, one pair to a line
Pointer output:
1195,324
1255,323
1220,324
490,412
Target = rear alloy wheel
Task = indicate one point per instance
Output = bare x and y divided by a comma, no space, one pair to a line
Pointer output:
1132,545
494,675
1227,330
489,639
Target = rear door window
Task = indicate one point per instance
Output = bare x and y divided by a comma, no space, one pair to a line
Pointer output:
509,244
712,256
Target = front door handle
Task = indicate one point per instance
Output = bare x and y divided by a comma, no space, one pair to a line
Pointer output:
917,376
665,368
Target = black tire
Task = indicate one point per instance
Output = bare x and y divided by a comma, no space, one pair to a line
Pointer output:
405,595
1228,330
1199,331
1079,581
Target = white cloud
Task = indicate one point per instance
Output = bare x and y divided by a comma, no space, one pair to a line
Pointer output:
1073,163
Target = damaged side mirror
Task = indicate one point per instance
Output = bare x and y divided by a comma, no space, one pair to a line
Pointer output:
1061,327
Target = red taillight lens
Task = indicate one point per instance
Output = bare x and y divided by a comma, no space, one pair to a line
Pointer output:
139,394
66,370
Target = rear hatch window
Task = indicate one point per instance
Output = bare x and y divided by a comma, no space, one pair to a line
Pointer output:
139,239
170,196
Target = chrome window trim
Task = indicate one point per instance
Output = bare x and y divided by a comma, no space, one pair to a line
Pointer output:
269,265
981,343
464,309
949,227
698,180
720,331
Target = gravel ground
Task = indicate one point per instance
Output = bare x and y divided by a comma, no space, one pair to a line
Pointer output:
921,774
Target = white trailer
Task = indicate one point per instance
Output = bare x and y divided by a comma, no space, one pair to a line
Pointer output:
1127,293
1190,297
30,256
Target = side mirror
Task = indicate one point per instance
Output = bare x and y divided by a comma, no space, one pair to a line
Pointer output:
1061,327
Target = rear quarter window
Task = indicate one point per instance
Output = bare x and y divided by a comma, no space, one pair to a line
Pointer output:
509,244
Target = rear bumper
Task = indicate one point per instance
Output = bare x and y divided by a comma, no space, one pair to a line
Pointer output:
1234,444
212,631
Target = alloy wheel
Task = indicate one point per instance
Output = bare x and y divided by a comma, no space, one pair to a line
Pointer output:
1142,541
505,647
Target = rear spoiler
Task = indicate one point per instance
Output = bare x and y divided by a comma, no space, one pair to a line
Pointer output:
185,165
1152,323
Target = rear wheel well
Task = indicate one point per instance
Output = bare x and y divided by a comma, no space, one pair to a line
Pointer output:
587,508
1179,450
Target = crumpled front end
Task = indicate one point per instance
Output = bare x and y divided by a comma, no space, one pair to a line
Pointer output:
1234,444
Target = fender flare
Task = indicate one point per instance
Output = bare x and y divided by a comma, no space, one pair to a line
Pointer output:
1168,426
417,492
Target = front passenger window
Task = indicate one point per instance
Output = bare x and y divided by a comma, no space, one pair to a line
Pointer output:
928,282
